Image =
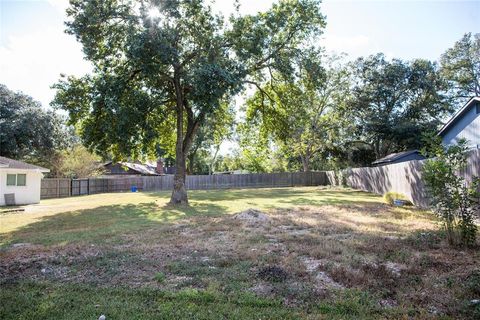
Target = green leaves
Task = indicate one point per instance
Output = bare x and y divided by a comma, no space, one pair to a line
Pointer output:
158,61
395,101
29,132
460,65
267,39
299,112
454,200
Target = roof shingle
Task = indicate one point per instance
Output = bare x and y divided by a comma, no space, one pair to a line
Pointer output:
395,156
15,164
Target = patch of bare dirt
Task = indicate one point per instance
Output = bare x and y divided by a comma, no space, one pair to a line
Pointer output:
252,217
322,280
320,249
262,289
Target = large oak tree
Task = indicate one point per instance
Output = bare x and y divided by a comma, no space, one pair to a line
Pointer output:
460,65
394,102
28,131
164,66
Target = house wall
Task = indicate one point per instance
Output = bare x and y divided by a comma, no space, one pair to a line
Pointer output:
467,127
23,195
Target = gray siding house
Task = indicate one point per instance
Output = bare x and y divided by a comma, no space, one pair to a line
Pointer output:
464,124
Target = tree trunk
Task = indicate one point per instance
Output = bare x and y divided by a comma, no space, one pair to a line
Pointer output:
306,163
212,163
179,193
191,161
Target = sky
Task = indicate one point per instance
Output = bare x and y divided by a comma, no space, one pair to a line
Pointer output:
35,50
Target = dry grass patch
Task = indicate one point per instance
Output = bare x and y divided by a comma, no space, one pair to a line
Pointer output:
349,260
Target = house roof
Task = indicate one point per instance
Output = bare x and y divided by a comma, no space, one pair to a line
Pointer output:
142,168
458,115
395,156
147,169
15,164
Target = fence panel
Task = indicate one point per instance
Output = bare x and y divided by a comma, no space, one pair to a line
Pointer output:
405,177
54,188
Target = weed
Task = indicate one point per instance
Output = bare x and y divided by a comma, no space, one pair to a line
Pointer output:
160,277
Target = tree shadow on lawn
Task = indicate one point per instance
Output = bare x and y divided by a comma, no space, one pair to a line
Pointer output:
284,195
329,200
103,224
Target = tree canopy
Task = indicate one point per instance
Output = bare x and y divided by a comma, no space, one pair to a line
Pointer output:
460,65
300,113
163,66
29,132
394,102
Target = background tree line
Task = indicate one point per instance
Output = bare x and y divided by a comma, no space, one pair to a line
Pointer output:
335,113
31,133
166,76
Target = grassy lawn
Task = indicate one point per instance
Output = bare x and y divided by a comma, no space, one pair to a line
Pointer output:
322,254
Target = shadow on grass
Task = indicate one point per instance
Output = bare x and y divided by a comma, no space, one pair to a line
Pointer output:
295,196
103,224
110,223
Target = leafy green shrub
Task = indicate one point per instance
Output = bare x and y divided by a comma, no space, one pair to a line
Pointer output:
391,196
454,200
160,277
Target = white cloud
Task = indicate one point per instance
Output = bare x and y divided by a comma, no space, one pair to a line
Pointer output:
60,5
354,46
33,62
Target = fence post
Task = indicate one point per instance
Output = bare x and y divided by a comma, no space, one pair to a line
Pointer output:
88,186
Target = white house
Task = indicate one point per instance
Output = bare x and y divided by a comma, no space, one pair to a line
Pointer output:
19,181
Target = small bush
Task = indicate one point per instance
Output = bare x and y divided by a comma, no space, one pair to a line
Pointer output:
453,200
160,277
391,196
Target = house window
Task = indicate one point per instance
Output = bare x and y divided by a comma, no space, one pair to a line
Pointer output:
11,179
21,180
17,180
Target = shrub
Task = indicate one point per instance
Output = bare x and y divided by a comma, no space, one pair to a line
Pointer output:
390,196
454,200
160,277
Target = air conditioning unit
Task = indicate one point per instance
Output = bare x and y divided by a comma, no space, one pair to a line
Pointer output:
9,199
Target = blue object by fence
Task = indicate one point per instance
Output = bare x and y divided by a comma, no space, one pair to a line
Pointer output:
399,202
134,188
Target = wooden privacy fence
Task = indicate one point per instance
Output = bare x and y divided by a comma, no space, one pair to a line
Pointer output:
56,188
405,177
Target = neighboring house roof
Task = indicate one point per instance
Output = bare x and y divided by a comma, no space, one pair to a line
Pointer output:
458,115
15,164
146,169
393,157
142,168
